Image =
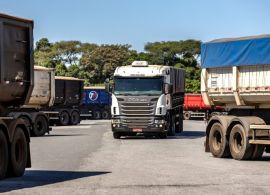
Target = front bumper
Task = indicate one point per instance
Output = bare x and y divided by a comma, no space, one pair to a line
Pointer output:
160,127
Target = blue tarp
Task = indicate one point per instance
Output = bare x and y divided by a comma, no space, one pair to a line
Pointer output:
236,52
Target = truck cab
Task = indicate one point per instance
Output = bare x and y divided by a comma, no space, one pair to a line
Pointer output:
147,99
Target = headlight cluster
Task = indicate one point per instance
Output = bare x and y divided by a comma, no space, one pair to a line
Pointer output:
159,121
116,121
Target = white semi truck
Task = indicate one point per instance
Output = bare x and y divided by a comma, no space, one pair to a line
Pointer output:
236,75
147,99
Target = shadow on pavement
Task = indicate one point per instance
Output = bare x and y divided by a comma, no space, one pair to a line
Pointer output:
183,135
35,178
62,135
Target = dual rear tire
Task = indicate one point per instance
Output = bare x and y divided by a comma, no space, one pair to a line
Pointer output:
13,164
237,145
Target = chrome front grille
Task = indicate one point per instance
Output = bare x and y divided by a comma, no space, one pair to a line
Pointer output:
137,114
137,109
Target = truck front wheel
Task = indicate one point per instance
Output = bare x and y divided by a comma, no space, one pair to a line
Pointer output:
239,144
3,155
18,153
116,135
218,143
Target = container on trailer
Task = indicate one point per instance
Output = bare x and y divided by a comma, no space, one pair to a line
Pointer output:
68,91
43,94
195,102
238,77
16,60
96,96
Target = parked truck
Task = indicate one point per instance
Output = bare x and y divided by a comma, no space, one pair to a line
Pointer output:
96,103
16,84
194,107
236,75
58,98
147,99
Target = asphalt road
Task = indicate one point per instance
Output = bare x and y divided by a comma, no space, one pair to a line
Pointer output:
85,159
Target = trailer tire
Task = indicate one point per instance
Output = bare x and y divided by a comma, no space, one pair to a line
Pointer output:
239,144
218,143
187,115
75,118
18,153
97,114
116,135
40,126
3,155
258,151
105,114
64,118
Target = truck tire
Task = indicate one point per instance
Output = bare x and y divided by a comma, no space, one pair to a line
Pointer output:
75,118
218,143
172,126
40,126
162,135
239,144
258,152
187,115
116,135
3,155
64,118
18,152
27,122
105,114
97,114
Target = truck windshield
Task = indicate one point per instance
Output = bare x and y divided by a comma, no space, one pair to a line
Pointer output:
138,86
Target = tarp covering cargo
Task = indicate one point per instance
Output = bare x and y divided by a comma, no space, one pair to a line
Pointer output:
236,52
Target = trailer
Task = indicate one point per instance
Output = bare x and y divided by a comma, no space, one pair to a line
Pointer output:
16,84
96,103
235,75
148,100
65,109
194,107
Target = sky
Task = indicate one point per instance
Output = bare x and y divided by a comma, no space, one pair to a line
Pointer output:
137,22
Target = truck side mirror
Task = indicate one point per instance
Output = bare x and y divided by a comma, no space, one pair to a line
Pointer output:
168,88
108,86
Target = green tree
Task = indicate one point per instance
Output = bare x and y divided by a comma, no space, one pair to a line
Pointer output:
102,61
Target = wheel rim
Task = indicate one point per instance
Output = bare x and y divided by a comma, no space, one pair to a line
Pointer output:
39,126
237,142
217,142
64,117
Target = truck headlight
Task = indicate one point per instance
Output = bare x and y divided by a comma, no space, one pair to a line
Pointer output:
160,121
116,121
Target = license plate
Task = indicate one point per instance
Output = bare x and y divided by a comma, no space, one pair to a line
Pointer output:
137,130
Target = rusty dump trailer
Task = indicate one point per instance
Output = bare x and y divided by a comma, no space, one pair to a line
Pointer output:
16,84
236,76
57,97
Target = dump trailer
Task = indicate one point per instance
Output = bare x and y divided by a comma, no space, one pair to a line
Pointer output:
194,107
236,75
16,84
68,99
56,97
96,103
147,99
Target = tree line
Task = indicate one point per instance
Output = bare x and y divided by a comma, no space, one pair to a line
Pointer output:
94,63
